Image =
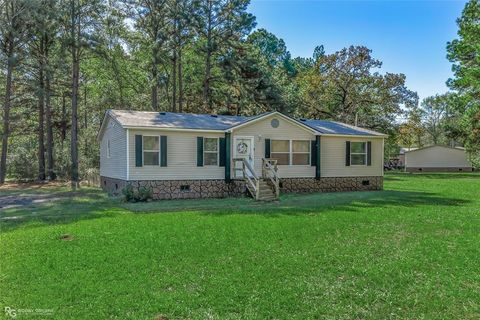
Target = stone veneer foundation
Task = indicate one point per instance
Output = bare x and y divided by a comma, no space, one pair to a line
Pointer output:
195,189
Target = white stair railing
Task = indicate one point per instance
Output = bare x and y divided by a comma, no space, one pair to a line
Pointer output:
249,175
270,172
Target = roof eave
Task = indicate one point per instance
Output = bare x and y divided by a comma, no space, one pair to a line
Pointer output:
352,135
292,120
102,126
174,129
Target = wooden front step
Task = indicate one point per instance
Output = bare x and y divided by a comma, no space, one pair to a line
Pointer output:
265,187
265,192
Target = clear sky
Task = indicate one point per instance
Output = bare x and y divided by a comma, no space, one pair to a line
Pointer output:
409,37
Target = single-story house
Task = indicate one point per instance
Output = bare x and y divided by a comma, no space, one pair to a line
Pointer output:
437,159
401,154
183,155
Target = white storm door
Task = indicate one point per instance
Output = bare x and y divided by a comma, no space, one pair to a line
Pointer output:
243,148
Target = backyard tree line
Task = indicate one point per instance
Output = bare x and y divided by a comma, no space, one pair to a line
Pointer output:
65,62
453,118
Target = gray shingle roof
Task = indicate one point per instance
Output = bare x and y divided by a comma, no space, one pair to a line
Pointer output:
177,120
333,127
221,122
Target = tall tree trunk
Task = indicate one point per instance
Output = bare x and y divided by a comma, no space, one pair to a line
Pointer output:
155,80
75,32
206,83
174,81
85,114
118,78
85,122
180,81
41,113
207,100
48,118
64,118
74,129
6,113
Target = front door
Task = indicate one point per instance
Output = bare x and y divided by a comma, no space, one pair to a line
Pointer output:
242,148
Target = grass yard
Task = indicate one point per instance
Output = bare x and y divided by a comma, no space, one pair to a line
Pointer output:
409,252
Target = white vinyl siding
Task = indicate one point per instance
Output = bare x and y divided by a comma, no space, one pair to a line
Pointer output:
181,157
113,160
286,130
182,153
108,148
333,154
437,157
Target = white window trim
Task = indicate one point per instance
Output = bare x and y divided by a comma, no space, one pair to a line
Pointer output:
109,151
290,152
217,152
143,151
356,153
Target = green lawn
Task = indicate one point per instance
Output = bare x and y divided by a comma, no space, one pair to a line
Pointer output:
409,252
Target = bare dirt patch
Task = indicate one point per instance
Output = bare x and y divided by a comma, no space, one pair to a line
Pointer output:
14,201
67,237
32,186
19,194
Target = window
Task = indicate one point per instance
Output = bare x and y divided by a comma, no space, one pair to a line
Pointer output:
210,151
151,150
275,123
358,153
108,148
286,152
280,150
300,152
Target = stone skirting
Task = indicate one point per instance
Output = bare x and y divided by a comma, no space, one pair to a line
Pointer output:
331,184
180,189
438,169
195,189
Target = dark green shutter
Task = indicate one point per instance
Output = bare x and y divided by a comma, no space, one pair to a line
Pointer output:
313,153
318,158
267,148
222,152
199,151
138,150
228,159
347,153
369,153
163,151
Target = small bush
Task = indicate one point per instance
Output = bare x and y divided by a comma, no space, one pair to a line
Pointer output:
143,194
129,193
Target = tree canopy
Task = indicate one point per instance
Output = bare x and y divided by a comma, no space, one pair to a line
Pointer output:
65,62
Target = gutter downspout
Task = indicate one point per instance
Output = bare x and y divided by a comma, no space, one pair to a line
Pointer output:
128,156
